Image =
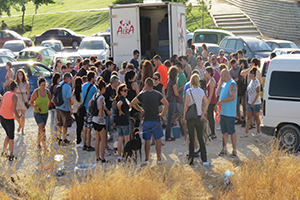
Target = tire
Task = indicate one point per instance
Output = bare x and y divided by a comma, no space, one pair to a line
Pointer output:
289,137
75,44
189,43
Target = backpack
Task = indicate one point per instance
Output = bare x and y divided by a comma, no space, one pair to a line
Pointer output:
81,109
57,95
94,107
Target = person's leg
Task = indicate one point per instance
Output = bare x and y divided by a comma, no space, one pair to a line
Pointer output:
158,149
199,128
84,137
97,143
147,149
43,137
225,140
11,147
103,137
238,108
22,120
40,133
210,117
191,129
233,140
171,112
257,119
89,136
65,131
79,127
120,140
249,120
6,141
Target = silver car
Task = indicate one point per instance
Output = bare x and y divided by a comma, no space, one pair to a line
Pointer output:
96,46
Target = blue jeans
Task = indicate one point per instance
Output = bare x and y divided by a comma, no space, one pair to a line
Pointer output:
110,122
171,111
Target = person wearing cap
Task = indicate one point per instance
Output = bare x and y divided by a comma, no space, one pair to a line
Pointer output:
4,25
64,112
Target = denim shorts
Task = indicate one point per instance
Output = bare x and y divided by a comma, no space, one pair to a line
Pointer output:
255,108
41,118
123,130
227,124
154,127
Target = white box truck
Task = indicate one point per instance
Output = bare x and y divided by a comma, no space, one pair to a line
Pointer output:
152,28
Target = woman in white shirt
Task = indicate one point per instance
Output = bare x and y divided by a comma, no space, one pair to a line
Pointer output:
254,102
196,95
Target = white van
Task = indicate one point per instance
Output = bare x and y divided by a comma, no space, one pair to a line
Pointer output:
281,110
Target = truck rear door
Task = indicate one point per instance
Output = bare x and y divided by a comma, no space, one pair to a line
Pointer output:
178,29
125,32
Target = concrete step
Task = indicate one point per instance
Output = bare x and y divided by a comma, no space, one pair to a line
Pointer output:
233,20
237,28
228,25
245,32
233,23
229,16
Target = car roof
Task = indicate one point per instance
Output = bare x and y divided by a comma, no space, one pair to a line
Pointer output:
14,42
51,41
279,41
102,33
22,63
1,54
36,49
100,38
214,30
290,61
207,44
1,50
72,54
286,49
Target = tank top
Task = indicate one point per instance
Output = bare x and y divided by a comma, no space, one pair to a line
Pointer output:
228,108
6,110
41,102
131,93
204,58
214,98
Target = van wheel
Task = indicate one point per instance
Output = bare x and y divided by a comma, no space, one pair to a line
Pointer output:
75,44
289,137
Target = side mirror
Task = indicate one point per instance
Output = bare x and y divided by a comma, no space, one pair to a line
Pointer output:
244,51
76,48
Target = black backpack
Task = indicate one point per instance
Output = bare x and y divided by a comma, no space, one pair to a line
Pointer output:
81,109
94,107
57,95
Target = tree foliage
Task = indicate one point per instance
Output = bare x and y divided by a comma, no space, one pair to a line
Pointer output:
127,1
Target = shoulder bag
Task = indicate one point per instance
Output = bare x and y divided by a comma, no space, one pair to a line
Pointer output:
81,109
191,113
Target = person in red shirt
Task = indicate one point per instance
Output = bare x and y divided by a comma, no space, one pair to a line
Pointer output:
221,59
161,69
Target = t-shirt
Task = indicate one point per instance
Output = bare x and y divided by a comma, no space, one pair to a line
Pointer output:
97,119
92,91
186,87
135,63
193,62
251,89
223,61
151,101
82,72
123,119
159,87
181,80
163,71
106,75
109,95
215,66
73,72
234,73
170,92
201,71
66,93
196,96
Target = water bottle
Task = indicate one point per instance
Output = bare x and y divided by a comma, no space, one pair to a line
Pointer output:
207,163
60,163
228,173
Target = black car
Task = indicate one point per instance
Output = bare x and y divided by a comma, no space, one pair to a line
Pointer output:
66,36
254,47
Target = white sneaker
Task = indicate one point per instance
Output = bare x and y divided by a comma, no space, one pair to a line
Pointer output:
244,135
107,153
218,129
80,145
256,135
145,163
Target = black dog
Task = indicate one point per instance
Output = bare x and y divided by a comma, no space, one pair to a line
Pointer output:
133,146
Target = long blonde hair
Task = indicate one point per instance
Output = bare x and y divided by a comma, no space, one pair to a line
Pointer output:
25,79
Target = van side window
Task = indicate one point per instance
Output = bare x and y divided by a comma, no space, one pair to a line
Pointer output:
285,84
231,44
223,44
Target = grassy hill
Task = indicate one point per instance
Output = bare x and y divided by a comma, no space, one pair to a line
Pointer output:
85,22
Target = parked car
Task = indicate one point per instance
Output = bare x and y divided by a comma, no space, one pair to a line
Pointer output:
263,72
8,53
15,46
211,48
214,36
56,45
6,35
33,70
5,58
281,44
96,46
281,108
66,36
106,36
254,47
39,54
65,57
281,51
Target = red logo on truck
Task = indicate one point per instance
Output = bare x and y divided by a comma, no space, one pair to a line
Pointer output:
125,28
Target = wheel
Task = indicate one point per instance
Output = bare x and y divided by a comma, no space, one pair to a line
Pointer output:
189,43
289,137
75,44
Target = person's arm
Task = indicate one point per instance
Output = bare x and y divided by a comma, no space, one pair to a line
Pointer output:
188,72
28,92
134,104
232,93
257,96
211,90
175,90
187,102
49,96
101,108
245,72
163,92
259,77
204,111
9,78
180,88
70,105
15,100
166,106
119,106
219,87
135,88
206,55
32,99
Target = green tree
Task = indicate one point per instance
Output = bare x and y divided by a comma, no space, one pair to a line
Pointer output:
203,8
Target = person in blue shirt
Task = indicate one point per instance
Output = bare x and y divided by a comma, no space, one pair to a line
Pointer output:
228,100
135,58
88,124
64,112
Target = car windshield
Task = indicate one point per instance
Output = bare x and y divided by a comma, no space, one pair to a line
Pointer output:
28,54
294,52
71,32
92,45
14,47
71,59
55,46
215,50
206,38
288,45
257,45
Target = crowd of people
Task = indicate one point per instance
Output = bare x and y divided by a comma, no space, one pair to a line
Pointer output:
102,98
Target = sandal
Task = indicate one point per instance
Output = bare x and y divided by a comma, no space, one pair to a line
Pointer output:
104,161
23,132
222,152
98,159
4,154
19,129
12,158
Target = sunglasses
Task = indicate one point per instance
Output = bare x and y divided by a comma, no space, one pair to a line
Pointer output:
221,54
125,90
155,79
213,59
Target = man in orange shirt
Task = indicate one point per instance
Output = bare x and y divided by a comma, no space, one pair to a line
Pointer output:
162,69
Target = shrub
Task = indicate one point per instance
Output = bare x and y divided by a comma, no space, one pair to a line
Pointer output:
127,1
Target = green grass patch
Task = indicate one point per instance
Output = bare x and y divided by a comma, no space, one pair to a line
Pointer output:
85,23
194,20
